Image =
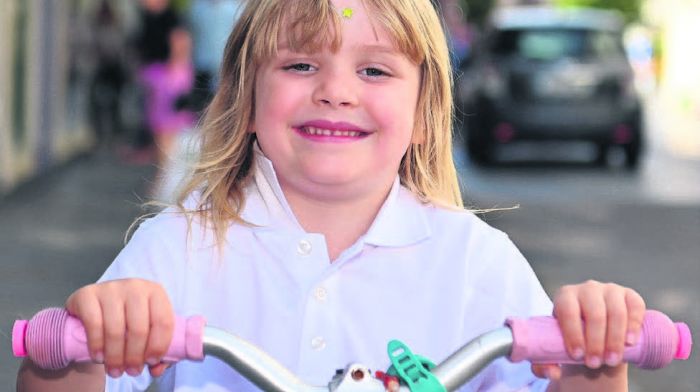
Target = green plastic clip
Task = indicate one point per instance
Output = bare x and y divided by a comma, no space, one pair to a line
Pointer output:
413,370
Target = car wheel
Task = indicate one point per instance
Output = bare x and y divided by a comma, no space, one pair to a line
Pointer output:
480,150
479,144
632,154
633,150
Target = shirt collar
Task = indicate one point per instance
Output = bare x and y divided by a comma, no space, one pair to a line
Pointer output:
401,220
266,205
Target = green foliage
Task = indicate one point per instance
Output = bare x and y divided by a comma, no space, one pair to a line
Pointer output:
629,8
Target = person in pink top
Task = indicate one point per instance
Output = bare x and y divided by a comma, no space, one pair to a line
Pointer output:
166,82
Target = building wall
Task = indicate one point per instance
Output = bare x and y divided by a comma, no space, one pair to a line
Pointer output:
43,86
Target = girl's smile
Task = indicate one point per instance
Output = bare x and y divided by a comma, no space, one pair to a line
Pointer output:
333,132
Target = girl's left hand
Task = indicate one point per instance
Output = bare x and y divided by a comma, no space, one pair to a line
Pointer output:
612,315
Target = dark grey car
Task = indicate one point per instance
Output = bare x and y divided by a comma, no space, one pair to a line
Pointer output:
546,74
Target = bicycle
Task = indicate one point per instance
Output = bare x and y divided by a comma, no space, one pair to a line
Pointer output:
53,339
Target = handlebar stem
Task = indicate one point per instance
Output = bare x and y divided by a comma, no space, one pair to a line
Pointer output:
268,375
473,357
253,364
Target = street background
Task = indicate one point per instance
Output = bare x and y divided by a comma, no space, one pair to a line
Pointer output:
576,222
66,201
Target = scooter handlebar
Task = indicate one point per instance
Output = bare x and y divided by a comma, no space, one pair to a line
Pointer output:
539,340
53,339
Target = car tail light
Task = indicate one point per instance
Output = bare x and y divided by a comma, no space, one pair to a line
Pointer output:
622,134
504,132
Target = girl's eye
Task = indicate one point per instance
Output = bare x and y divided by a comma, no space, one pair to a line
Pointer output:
373,72
299,67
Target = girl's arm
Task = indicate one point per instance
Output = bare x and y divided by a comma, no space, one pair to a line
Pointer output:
583,379
90,377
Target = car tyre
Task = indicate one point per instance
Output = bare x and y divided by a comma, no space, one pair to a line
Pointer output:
480,151
601,158
633,150
632,155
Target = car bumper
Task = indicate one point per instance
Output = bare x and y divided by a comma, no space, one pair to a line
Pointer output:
597,121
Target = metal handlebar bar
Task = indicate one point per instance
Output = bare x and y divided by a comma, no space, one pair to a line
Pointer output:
53,339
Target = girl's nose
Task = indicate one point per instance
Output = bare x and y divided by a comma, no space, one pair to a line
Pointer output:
335,91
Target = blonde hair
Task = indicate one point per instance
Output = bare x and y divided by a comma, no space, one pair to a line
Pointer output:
225,160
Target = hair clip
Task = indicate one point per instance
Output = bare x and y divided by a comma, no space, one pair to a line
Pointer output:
347,12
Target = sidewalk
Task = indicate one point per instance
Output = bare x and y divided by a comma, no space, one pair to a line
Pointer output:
59,232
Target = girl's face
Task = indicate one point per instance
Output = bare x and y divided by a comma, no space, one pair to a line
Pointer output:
336,125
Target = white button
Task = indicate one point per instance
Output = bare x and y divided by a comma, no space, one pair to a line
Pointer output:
304,247
318,343
321,294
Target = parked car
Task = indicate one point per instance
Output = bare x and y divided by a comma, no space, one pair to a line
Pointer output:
542,73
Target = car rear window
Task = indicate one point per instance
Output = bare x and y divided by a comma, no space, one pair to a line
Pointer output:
552,44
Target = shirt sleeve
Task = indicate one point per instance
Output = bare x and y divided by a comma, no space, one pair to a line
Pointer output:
514,291
148,256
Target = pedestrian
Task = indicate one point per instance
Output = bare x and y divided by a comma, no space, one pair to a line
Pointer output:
211,22
165,83
157,19
110,75
324,218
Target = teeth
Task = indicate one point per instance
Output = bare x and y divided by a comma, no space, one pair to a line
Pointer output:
328,132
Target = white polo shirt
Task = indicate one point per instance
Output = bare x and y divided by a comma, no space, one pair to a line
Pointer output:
430,277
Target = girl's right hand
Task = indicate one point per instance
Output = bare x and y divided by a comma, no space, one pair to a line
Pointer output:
129,323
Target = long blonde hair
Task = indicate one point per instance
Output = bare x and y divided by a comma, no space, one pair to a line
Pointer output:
225,160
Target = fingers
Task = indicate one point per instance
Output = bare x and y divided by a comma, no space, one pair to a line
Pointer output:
635,313
114,330
593,310
159,369
550,371
86,306
162,326
616,329
568,312
127,322
611,315
137,332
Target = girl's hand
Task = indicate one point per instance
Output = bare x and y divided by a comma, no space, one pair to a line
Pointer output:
128,323
612,315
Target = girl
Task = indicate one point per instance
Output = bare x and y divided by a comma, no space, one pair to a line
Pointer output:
324,219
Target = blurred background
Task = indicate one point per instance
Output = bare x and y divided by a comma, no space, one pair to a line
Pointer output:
588,122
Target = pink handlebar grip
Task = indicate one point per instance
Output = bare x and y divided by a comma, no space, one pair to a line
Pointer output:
539,340
53,339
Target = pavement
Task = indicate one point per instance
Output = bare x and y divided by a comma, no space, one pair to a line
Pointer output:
59,232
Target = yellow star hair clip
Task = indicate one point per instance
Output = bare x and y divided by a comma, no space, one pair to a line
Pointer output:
347,12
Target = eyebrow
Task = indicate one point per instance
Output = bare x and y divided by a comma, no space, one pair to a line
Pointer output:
378,48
